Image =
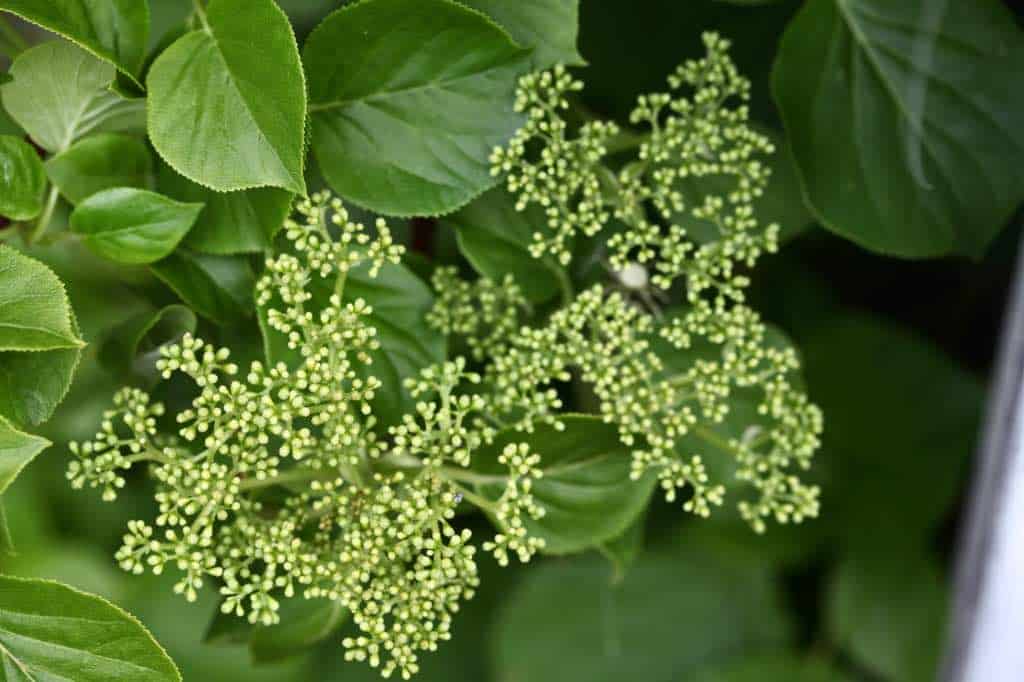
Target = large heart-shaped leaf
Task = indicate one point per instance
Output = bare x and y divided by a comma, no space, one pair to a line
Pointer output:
495,237
101,162
60,93
22,180
131,225
227,103
676,611
549,27
49,631
232,222
113,30
586,490
405,115
904,120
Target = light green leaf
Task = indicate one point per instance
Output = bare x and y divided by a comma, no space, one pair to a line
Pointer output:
235,222
904,120
16,450
586,489
227,104
900,427
52,631
101,162
132,225
22,180
405,116
549,27
6,541
888,612
217,287
60,94
34,310
674,612
494,236
133,346
113,30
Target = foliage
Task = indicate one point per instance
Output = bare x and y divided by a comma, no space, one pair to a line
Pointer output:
384,285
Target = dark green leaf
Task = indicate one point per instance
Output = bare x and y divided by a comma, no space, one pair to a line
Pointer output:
113,30
227,104
586,489
904,120
781,667
888,611
52,631
22,180
673,613
233,222
624,550
494,236
405,116
132,225
304,623
60,94
133,346
16,450
101,162
217,287
34,310
900,425
548,26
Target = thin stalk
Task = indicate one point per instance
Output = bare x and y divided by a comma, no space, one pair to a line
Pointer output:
201,13
44,217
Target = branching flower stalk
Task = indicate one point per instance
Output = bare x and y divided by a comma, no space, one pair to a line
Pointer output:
279,481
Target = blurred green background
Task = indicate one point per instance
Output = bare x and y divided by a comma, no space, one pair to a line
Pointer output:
898,354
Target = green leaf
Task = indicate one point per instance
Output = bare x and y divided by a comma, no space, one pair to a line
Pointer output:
904,120
549,27
494,237
16,450
52,631
34,310
235,222
405,116
888,612
6,541
900,427
674,612
624,550
133,346
304,623
586,489
60,94
217,287
131,225
781,667
113,30
22,180
227,104
101,162
33,384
